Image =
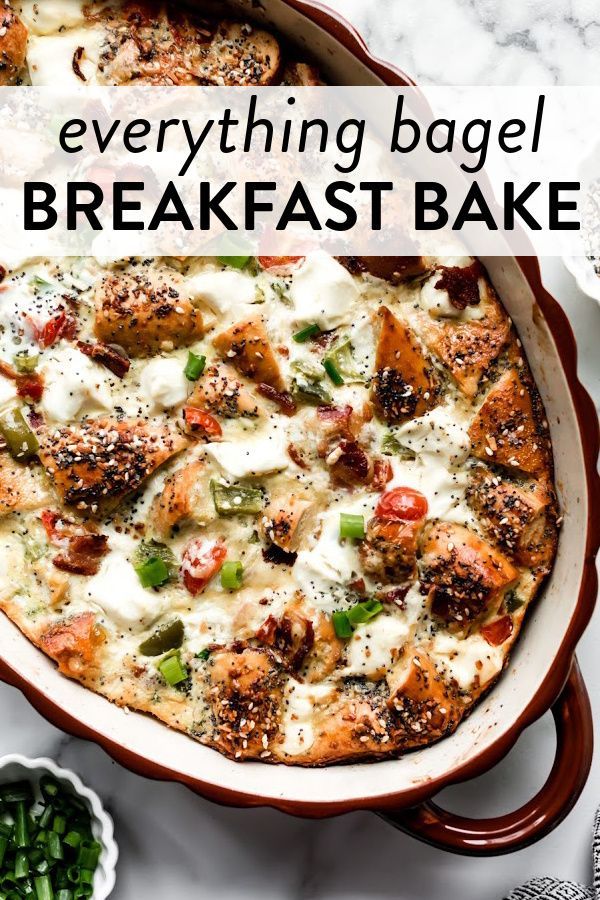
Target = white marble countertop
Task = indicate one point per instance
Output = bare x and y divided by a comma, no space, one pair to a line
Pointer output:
176,844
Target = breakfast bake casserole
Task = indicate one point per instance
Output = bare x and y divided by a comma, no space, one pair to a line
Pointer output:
296,507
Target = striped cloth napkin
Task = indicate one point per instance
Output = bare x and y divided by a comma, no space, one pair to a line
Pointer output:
553,889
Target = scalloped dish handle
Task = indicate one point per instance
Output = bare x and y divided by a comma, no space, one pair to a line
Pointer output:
504,834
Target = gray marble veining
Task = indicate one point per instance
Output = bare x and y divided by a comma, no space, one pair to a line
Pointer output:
175,844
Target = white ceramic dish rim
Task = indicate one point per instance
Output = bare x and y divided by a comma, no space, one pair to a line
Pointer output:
102,823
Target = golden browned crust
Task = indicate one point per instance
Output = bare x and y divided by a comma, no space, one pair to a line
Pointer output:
13,46
144,313
248,348
97,463
404,385
508,430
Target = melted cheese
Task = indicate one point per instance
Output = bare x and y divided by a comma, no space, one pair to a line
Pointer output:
466,659
373,647
50,57
300,701
50,16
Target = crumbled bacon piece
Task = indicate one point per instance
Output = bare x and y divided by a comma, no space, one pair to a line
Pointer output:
112,359
30,386
382,473
296,456
291,637
81,549
461,284
59,326
350,464
77,57
283,399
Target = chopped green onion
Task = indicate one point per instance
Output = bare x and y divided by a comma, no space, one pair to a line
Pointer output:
21,836
352,526
43,887
73,839
64,894
231,575
89,851
203,654
49,786
238,262
19,792
301,336
54,847
236,499
194,366
341,624
20,439
59,824
86,876
25,362
73,874
364,612
38,281
21,865
332,370
166,637
344,622
153,572
172,669
3,846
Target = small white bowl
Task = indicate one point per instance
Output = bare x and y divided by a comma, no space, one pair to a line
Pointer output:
15,767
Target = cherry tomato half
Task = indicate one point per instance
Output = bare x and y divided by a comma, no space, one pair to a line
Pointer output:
402,504
202,559
198,418
279,262
497,632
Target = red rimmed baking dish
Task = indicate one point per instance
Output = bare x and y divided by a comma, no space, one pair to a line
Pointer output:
541,673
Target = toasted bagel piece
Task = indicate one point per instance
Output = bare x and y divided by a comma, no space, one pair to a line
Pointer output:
284,520
247,347
389,550
22,486
508,430
95,464
463,575
404,384
74,643
467,348
220,392
422,703
239,54
299,74
185,496
245,692
522,520
145,312
13,46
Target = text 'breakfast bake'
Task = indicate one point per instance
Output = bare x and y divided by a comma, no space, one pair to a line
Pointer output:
296,507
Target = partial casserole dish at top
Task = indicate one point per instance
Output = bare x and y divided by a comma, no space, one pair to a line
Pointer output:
295,507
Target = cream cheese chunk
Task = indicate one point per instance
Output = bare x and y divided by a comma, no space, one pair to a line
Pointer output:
322,292
44,17
255,456
164,383
73,385
222,291
116,589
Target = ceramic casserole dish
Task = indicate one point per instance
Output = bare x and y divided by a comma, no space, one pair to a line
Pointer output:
541,673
